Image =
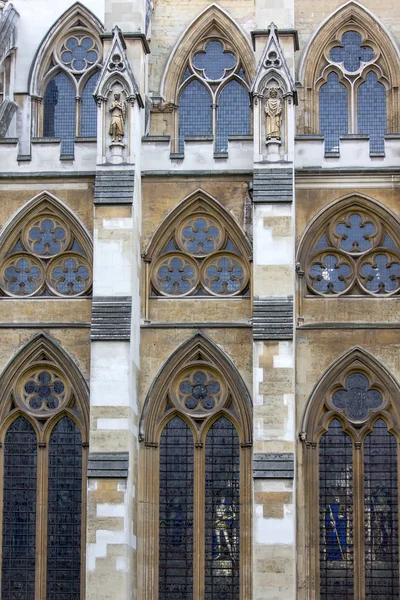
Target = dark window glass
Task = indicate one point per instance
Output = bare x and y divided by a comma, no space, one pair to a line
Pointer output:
222,512
336,515
333,112
233,115
64,512
381,515
176,512
372,111
357,399
19,512
195,112
89,108
355,233
351,53
59,112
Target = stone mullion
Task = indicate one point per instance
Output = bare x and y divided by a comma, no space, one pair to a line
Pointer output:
199,522
358,521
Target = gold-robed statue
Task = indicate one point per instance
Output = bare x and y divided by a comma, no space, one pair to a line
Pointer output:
118,115
273,114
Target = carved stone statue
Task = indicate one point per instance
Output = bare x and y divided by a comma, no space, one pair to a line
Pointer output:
118,115
273,114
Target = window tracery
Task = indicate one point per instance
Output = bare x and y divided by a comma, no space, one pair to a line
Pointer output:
355,79
355,251
199,254
64,76
213,94
195,421
45,254
353,422
43,434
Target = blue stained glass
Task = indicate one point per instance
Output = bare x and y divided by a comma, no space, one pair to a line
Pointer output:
336,515
351,53
214,61
222,512
381,275
330,276
333,112
19,512
70,277
372,111
357,398
78,55
233,114
89,108
47,237
355,235
23,277
59,112
64,512
195,112
381,515
176,512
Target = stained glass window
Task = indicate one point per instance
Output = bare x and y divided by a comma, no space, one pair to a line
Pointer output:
64,512
333,112
89,108
176,512
336,515
381,515
19,512
59,112
195,112
222,512
207,109
372,111
233,114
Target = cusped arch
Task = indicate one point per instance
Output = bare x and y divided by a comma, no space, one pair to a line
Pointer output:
76,16
352,202
198,201
318,413
42,349
44,203
214,20
197,348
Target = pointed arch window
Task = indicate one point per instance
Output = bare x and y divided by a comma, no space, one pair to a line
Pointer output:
45,252
352,248
43,430
200,252
63,78
354,426
213,98
352,91
197,438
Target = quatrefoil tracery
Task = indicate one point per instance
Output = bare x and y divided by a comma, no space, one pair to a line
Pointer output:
356,397
355,254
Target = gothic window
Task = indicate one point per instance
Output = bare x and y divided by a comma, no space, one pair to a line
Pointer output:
352,92
202,252
63,78
355,250
45,253
199,426
213,95
43,422
354,427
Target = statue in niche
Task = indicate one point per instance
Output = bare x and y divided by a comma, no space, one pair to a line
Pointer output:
273,115
118,115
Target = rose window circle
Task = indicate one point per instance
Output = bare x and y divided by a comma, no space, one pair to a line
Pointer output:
79,52
43,390
199,390
200,235
21,275
46,236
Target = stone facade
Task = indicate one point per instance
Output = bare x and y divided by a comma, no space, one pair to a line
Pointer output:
275,339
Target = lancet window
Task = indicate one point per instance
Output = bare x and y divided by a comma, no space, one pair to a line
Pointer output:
352,451
356,251
200,254
45,253
43,436
201,501
213,94
352,92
